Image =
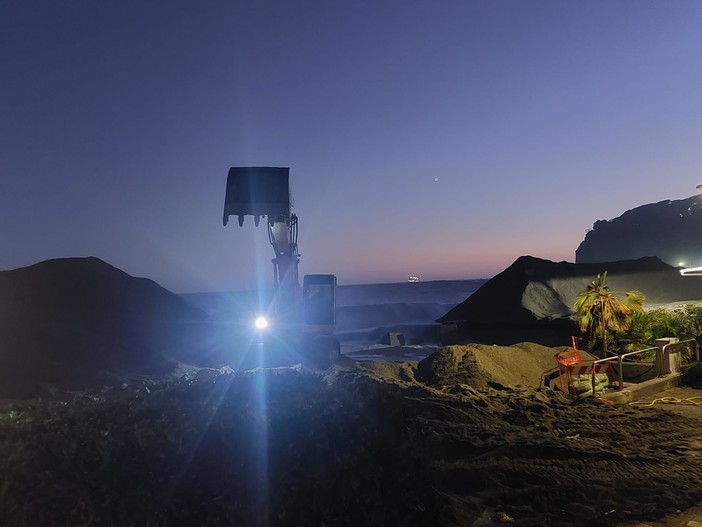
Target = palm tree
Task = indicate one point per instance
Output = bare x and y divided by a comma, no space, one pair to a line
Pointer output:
599,310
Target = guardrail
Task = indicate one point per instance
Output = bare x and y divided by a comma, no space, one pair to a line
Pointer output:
620,379
661,355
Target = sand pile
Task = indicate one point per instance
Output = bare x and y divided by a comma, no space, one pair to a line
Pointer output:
532,299
65,320
368,445
504,455
479,365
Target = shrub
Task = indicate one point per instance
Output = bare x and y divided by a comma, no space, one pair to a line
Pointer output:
684,323
693,376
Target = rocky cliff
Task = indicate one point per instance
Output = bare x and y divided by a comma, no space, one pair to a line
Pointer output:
670,230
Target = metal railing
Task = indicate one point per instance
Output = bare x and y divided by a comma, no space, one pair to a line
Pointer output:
620,366
661,355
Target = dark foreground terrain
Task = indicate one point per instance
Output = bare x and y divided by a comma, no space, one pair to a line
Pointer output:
363,445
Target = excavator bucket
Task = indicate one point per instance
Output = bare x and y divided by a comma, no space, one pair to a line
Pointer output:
257,191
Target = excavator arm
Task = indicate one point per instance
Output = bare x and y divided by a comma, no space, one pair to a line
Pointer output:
264,192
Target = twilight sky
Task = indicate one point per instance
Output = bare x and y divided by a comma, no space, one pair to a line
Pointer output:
119,120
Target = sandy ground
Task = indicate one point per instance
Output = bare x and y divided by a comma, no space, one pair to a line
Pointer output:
464,437
686,402
532,457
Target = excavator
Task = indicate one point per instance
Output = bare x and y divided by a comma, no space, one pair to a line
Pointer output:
299,322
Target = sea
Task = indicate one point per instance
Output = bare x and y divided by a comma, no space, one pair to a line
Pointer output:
366,313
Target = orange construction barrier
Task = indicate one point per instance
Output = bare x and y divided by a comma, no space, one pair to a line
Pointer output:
574,364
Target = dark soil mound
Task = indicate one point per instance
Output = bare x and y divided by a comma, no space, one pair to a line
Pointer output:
534,294
288,449
67,317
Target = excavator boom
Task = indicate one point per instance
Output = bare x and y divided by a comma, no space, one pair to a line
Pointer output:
264,192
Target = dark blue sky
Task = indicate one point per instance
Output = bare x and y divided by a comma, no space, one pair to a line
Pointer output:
119,120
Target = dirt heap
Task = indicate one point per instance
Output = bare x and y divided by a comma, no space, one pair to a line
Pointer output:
367,445
532,299
65,319
479,365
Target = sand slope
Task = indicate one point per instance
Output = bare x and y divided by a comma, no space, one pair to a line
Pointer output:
532,299
367,444
522,364
502,455
67,319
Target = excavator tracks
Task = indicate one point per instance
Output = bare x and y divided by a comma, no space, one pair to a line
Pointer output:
520,458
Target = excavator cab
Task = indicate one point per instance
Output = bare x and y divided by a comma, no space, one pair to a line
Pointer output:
319,302
318,343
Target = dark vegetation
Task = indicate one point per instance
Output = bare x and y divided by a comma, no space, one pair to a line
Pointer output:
693,376
618,322
644,327
683,322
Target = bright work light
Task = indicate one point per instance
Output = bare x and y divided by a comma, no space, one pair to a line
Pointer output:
261,323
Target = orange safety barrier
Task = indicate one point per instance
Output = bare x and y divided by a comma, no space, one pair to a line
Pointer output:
575,362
